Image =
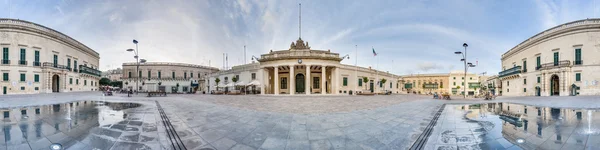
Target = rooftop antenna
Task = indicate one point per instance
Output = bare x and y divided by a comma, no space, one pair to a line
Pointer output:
300,20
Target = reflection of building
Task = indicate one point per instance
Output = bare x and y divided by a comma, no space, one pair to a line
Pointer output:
457,83
552,62
113,75
168,77
494,86
37,59
426,83
302,70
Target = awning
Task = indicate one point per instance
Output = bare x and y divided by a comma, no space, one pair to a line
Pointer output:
229,85
255,82
240,83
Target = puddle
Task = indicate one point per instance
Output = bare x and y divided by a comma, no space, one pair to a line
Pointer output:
83,124
515,126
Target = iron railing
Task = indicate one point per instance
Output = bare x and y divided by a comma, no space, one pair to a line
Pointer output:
36,63
22,62
90,71
511,71
53,65
578,62
552,65
5,61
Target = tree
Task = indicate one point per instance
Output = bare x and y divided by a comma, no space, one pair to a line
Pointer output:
365,80
217,80
117,84
383,83
126,83
104,81
234,79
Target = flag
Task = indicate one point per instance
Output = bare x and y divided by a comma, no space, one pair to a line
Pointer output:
374,53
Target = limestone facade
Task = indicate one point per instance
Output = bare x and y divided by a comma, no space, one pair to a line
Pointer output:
37,59
559,61
165,76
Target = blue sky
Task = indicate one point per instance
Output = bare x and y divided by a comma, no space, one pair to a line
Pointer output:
412,36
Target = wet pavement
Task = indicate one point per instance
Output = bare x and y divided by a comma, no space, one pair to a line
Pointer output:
80,125
515,126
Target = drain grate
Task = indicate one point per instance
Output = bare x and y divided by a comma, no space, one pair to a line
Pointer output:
170,130
422,139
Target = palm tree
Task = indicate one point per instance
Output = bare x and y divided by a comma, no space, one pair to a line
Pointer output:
365,80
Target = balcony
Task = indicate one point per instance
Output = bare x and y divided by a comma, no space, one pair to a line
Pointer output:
52,65
69,68
36,63
552,65
430,86
5,62
474,85
75,70
511,71
90,71
22,62
578,62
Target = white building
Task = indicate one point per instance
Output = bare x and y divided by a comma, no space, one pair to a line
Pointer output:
164,76
37,59
458,84
302,70
562,60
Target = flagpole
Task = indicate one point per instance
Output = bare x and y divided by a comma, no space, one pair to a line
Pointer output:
376,68
356,66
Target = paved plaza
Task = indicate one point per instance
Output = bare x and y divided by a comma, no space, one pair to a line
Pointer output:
261,122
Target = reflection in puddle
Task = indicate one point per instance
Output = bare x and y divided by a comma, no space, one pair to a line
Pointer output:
79,125
515,126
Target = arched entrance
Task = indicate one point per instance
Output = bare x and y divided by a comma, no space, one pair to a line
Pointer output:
55,83
300,83
554,86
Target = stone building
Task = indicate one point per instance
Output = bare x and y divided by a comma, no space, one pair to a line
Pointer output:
426,83
113,75
559,61
458,83
164,76
302,70
37,59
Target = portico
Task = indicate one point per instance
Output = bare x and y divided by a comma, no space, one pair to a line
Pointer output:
295,79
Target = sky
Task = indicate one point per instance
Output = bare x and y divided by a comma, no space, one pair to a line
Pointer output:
410,36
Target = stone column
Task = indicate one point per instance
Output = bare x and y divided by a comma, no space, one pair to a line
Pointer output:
291,81
265,80
276,79
334,81
307,81
323,80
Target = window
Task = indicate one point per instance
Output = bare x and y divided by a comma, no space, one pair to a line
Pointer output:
345,81
37,88
507,90
5,55
454,78
185,75
538,79
37,56
507,83
462,78
577,76
237,77
70,80
22,77
359,82
391,85
538,62
84,82
37,111
149,74
470,78
524,90
22,58
462,83
555,58
22,88
316,83
55,60
139,74
192,75
4,76
253,76
524,81
36,78
75,65
283,83
578,56
159,74
129,75
454,83
69,63
173,74
77,81
525,66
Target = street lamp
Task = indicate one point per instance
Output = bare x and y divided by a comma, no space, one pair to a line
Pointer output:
136,56
467,65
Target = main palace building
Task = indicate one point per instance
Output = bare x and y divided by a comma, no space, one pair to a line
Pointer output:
37,59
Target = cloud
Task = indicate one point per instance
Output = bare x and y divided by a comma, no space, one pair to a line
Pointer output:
428,66
548,10
59,10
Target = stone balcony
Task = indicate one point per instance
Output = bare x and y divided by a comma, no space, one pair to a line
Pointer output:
512,71
552,65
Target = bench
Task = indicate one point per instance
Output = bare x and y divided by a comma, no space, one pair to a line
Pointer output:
150,94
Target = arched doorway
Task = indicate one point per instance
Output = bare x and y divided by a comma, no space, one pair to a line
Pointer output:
300,83
55,83
554,86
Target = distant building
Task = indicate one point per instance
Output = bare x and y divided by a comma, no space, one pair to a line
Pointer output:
459,83
37,59
167,77
560,61
426,83
113,75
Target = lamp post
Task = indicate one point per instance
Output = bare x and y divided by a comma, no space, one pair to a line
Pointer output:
467,65
137,68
